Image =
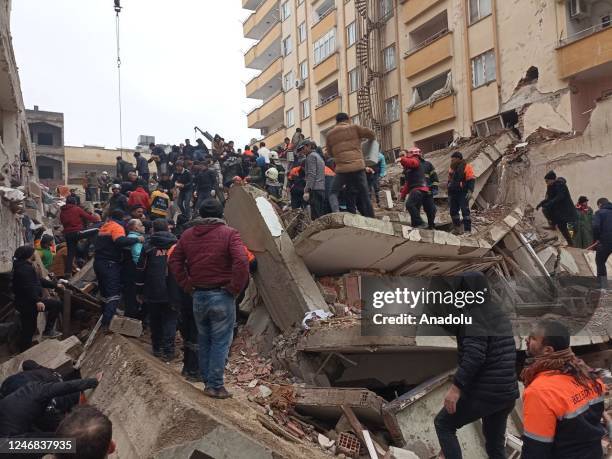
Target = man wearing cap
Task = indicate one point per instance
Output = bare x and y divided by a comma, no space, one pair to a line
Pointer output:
314,191
104,182
344,145
558,206
461,181
210,260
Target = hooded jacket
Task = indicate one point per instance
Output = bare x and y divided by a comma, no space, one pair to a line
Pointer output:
602,224
154,280
210,254
139,197
72,217
118,202
344,145
111,241
558,203
28,285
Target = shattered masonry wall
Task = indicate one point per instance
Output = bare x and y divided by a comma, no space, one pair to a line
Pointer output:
14,140
585,161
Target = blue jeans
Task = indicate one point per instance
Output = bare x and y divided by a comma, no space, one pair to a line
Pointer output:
109,283
184,202
163,319
215,313
458,203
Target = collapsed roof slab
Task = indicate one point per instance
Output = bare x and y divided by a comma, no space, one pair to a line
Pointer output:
340,242
284,282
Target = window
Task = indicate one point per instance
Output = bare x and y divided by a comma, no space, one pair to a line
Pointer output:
287,46
45,138
427,89
389,58
285,11
353,78
351,34
325,46
45,172
305,109
483,69
289,81
302,32
304,70
392,109
290,118
479,9
386,9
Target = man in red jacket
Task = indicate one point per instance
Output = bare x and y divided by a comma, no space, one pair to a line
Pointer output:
72,218
210,260
139,197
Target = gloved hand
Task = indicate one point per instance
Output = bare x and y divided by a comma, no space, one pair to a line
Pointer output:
306,197
213,193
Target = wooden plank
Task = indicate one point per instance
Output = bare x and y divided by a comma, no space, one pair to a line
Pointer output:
359,430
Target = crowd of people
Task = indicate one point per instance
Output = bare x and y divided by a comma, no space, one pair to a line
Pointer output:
164,254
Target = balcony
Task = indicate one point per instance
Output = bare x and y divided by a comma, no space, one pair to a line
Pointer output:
328,109
251,4
264,53
414,8
269,114
275,138
583,52
432,51
260,21
324,25
430,114
267,83
326,68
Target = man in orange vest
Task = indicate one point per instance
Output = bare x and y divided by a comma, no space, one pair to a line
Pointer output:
563,402
461,181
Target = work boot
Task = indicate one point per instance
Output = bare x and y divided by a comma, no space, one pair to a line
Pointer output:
602,282
50,334
457,230
220,393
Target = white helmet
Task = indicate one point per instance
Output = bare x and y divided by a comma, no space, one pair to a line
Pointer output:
272,173
273,154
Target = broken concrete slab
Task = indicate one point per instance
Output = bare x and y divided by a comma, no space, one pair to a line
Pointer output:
328,245
326,403
284,282
411,420
261,329
400,453
181,422
126,326
57,355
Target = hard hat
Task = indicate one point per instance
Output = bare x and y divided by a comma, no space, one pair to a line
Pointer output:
273,155
104,173
272,173
116,186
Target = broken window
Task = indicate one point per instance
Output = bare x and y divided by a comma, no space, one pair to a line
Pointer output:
437,86
45,138
392,109
45,172
428,32
483,69
325,46
353,78
479,9
490,126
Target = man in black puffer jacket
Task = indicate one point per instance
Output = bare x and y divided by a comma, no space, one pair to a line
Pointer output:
485,383
158,289
558,206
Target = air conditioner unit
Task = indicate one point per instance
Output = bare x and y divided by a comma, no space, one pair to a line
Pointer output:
299,84
578,9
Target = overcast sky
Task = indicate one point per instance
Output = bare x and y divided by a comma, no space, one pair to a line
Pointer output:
182,66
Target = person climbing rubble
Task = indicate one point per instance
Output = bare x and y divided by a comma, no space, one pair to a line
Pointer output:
558,207
314,167
417,189
602,233
583,229
211,261
73,219
30,299
461,181
563,403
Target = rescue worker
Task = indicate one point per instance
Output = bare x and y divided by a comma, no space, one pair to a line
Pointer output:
109,248
297,182
314,189
183,180
273,186
157,288
563,402
73,219
417,190
256,174
139,197
159,203
602,232
461,181
558,206
117,200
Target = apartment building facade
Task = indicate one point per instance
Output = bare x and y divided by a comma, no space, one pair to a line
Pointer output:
445,68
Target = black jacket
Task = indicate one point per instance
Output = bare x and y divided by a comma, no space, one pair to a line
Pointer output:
602,225
19,380
231,168
28,285
21,409
142,165
206,180
558,203
153,278
185,178
118,202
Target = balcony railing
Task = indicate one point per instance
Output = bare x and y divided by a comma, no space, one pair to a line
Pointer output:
584,33
427,42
